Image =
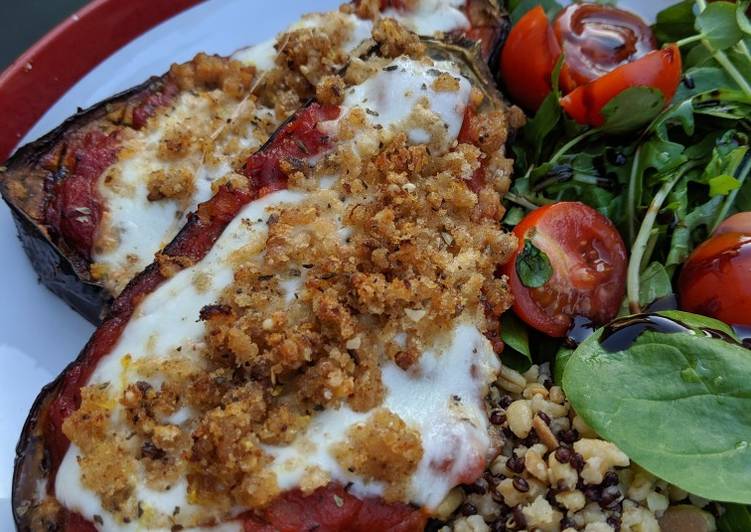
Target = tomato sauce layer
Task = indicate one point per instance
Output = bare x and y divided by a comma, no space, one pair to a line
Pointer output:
74,207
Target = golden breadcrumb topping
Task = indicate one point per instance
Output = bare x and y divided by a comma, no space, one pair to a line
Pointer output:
177,183
394,39
382,448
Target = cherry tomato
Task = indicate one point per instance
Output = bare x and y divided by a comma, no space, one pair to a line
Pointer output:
588,260
528,58
596,39
660,69
716,278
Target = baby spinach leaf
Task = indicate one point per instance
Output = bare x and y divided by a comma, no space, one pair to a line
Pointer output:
537,129
678,404
561,359
533,266
632,109
719,25
514,334
737,518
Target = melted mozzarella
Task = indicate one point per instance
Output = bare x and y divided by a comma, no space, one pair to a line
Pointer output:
263,55
76,497
142,227
432,16
390,96
178,301
441,397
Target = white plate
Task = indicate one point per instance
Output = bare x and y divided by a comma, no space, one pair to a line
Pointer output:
39,334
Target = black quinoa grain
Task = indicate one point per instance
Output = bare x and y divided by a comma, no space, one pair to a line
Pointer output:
468,509
499,525
515,464
611,497
610,479
592,493
520,521
563,454
497,417
520,484
505,401
478,487
531,440
577,462
615,523
569,436
567,522
544,417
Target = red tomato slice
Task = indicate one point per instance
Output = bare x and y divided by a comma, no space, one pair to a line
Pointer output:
588,260
660,69
598,38
528,58
333,509
716,278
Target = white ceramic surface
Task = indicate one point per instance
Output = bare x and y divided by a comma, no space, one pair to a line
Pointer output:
39,334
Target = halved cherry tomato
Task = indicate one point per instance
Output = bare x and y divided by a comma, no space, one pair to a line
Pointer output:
588,260
606,50
660,69
596,39
528,58
716,278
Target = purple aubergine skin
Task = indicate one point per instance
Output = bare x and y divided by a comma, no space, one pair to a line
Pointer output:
60,267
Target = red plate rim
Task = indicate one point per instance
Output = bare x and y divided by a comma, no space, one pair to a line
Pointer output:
42,74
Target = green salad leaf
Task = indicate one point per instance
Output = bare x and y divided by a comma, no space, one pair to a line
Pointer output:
631,110
741,18
737,518
718,23
533,266
678,404
655,284
518,8
514,334
722,185
675,22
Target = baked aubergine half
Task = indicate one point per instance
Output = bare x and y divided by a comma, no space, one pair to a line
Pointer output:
96,198
313,349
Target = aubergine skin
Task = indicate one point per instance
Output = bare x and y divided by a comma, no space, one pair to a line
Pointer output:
26,184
